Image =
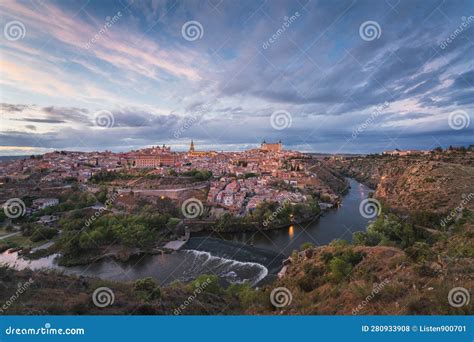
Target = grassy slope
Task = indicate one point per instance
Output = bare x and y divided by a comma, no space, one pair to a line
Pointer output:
417,280
58,294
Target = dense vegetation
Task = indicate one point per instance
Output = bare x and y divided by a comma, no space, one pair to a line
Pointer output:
198,175
85,237
389,230
268,215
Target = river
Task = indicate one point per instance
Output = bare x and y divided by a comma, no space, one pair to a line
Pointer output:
236,258
338,223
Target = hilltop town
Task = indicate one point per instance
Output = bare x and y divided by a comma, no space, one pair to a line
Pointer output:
233,182
91,205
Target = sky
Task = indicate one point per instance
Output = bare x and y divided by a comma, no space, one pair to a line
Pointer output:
322,76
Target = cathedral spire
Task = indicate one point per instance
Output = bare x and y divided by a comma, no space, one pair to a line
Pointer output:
191,148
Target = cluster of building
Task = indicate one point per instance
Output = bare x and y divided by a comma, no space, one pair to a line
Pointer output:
241,180
40,204
60,166
401,153
240,196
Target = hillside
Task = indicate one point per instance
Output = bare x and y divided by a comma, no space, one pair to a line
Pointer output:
396,277
406,272
432,186
435,183
73,295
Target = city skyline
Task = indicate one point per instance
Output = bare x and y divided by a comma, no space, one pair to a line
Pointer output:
345,78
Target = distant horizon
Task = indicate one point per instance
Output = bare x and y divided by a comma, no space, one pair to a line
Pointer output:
247,147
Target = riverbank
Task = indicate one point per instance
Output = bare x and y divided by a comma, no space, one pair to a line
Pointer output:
232,262
332,224
236,257
209,226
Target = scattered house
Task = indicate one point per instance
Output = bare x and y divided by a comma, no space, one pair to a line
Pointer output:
292,182
398,152
228,199
47,219
42,203
324,205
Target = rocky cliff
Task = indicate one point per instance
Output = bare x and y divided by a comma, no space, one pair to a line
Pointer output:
435,183
430,186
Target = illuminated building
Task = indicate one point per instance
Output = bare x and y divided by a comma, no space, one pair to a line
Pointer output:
271,147
193,153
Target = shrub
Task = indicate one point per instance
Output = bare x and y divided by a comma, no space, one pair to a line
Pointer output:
426,271
198,175
339,269
327,257
312,277
173,222
147,288
43,234
388,230
420,251
352,257
306,245
313,270
369,238
363,290
208,283
307,284
325,198
246,295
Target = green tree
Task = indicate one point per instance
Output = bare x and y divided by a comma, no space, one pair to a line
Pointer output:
339,269
207,283
147,288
